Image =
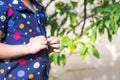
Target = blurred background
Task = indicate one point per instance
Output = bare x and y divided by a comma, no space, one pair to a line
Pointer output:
89,33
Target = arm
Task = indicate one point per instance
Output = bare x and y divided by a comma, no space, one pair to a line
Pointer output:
11,51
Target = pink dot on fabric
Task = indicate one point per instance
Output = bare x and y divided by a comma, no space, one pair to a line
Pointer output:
22,62
34,19
14,78
10,12
40,58
34,33
16,36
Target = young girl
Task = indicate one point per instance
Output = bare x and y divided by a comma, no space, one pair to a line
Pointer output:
23,44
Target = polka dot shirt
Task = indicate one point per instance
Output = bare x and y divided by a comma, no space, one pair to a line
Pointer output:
19,25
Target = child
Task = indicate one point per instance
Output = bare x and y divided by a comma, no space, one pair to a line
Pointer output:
23,42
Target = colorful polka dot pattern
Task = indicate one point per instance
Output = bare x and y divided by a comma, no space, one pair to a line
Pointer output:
22,25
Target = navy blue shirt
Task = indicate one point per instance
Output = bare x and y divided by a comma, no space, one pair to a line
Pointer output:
19,24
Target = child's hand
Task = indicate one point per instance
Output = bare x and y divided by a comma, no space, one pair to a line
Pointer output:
53,44
36,44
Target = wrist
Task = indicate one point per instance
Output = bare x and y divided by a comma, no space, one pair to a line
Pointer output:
27,49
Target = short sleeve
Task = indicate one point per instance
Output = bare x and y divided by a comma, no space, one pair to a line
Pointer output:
3,15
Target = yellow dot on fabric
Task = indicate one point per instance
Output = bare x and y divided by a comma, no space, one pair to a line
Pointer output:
2,71
21,26
31,76
30,30
10,75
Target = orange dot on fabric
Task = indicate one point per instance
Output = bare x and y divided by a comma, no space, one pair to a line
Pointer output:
30,30
22,62
2,71
16,36
10,5
31,76
21,26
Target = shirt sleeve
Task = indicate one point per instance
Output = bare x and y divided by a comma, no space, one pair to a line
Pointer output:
3,15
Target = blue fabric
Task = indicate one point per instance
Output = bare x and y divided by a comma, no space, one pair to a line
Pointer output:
20,24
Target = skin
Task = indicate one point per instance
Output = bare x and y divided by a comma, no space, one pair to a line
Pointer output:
35,44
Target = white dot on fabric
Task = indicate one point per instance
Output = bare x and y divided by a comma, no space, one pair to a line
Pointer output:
31,59
28,68
26,33
38,73
37,14
8,34
6,61
3,26
4,12
15,2
28,22
36,65
42,66
5,79
9,68
21,73
17,17
31,38
39,21
3,18
24,15
24,42
20,7
1,3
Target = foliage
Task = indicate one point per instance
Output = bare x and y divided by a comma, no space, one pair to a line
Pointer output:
104,18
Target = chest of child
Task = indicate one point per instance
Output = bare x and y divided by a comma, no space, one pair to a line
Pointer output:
22,25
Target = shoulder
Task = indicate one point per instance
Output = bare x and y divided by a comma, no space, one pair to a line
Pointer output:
3,5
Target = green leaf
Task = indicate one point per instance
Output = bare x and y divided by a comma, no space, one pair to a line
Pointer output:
61,33
54,26
87,29
59,5
74,4
63,59
73,18
83,52
52,16
72,47
65,42
55,58
90,1
96,53
109,34
64,21
94,35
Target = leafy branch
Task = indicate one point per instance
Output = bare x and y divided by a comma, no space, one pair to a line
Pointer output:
105,18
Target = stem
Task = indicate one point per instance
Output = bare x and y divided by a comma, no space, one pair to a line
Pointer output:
85,16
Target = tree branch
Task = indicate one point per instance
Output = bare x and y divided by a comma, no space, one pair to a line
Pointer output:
85,16
81,22
49,4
